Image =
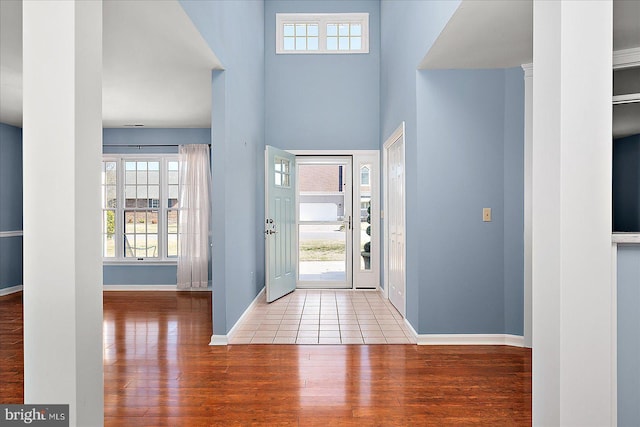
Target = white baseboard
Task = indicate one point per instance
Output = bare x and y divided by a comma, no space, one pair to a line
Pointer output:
470,339
151,288
10,290
139,287
224,339
219,340
413,331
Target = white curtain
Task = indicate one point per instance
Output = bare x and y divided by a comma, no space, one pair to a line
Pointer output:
195,211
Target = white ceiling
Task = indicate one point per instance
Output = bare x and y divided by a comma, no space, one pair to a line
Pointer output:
484,34
499,34
156,66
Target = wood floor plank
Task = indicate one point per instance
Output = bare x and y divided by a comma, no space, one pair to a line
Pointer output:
160,371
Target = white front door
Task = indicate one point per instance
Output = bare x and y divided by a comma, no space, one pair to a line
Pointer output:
395,219
280,223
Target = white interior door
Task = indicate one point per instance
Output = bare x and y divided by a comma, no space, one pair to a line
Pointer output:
395,219
280,223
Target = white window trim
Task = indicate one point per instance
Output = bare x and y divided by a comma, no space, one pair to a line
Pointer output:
119,258
322,19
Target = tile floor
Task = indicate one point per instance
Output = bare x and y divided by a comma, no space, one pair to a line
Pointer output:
324,317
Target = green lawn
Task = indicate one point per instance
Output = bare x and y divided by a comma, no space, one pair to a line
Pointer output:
322,250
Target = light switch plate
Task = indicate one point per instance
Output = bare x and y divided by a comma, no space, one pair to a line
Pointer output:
486,214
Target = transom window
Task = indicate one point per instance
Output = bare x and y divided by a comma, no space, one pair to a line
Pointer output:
300,36
322,33
140,208
346,36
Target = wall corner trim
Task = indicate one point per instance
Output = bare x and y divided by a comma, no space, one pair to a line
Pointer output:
415,335
528,69
470,339
10,290
224,339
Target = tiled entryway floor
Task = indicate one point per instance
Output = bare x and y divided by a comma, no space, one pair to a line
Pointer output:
324,317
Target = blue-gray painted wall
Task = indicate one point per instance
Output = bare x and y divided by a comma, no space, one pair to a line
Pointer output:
463,139
10,205
626,184
629,335
234,30
408,29
464,151
322,101
164,141
514,202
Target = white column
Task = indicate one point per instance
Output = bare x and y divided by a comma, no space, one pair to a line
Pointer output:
528,199
62,131
571,216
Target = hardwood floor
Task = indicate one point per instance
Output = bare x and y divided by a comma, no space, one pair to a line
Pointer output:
160,371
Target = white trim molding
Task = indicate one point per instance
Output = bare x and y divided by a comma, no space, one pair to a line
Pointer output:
528,204
218,340
626,58
528,69
414,334
10,290
614,332
470,339
13,233
224,339
173,288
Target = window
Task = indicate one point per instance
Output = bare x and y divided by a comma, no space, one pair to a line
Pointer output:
322,33
364,175
282,173
140,208
347,36
300,37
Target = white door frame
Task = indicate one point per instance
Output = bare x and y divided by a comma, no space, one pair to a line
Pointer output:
371,277
395,136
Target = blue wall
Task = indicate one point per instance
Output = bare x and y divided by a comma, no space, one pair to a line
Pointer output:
464,148
117,141
626,184
514,202
234,31
463,138
10,205
408,29
628,335
322,101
